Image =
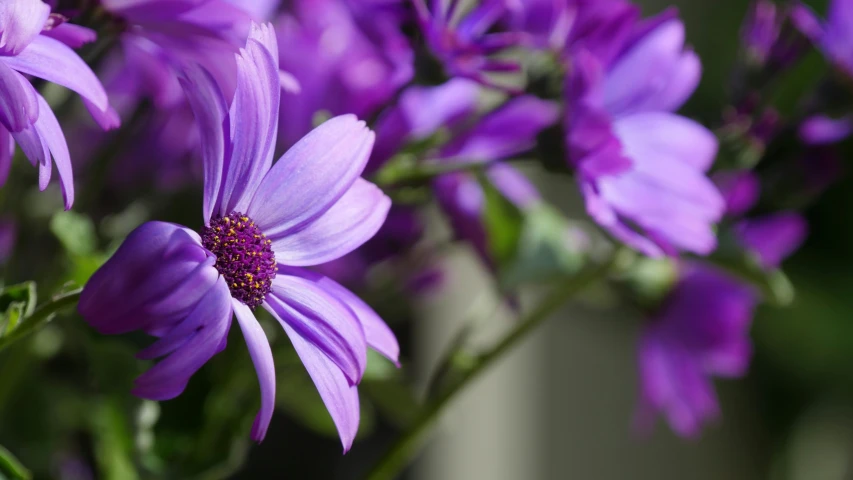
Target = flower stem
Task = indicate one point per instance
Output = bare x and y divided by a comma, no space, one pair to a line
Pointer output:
390,465
41,317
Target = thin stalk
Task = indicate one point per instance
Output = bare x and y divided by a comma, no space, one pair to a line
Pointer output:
390,465
41,317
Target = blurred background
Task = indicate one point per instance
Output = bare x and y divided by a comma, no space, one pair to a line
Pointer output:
560,406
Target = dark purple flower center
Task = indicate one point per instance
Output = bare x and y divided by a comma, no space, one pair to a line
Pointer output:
244,256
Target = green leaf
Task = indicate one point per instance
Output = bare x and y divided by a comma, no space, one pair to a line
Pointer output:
546,249
113,442
11,467
17,302
503,222
393,399
76,232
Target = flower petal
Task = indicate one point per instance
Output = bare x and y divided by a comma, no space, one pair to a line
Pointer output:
18,103
210,110
20,22
350,222
259,350
254,119
379,337
43,140
321,319
53,61
153,261
75,36
198,339
340,397
312,175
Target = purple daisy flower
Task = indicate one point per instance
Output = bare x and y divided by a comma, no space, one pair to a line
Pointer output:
25,116
702,330
262,224
641,168
464,42
347,56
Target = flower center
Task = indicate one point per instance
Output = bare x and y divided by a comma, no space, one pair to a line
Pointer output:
244,256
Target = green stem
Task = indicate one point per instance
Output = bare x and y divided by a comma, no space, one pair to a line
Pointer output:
390,465
12,467
41,317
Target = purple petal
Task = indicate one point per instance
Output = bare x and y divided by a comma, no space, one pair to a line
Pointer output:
379,337
152,262
773,237
823,130
7,152
20,22
18,103
210,110
351,221
189,347
805,20
43,140
656,74
509,130
513,185
321,319
668,135
340,397
259,350
254,119
740,189
53,61
311,176
72,35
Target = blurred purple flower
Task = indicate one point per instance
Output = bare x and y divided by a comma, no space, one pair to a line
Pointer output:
348,57
824,130
773,237
263,223
8,237
740,190
761,29
834,37
464,42
25,116
641,167
701,331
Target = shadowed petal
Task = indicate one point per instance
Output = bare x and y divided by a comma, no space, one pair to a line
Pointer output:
210,110
7,151
43,140
18,103
340,397
773,237
321,319
196,339
351,221
20,22
259,350
153,261
254,119
75,36
53,61
312,175
379,337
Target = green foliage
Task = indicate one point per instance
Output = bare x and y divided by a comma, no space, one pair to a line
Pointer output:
11,467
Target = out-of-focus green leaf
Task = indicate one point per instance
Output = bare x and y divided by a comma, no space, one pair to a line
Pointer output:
76,232
378,367
393,399
113,442
17,302
546,249
503,222
84,266
298,395
11,467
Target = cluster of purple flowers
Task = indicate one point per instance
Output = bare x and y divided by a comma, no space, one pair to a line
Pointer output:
227,86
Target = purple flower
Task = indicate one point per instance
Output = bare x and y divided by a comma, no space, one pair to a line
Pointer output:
25,117
465,43
833,37
761,29
823,130
701,331
262,224
740,189
348,57
641,168
773,237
